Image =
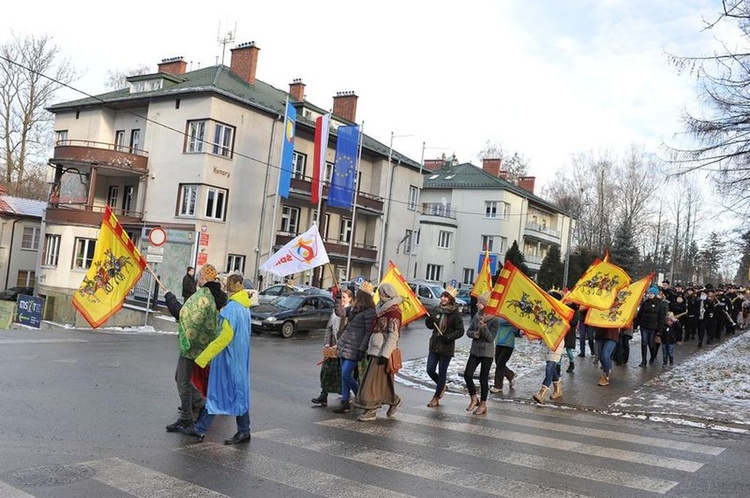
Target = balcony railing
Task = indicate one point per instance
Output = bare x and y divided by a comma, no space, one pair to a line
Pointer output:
91,153
365,200
80,214
438,209
536,227
337,248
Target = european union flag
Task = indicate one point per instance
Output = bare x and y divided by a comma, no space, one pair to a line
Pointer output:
287,150
341,193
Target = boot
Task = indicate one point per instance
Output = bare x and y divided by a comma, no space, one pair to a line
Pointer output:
571,367
557,391
481,409
345,407
539,397
435,401
473,403
321,400
511,376
604,381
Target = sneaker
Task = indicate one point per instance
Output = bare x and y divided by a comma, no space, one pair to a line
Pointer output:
368,415
345,407
512,382
393,408
179,426
495,390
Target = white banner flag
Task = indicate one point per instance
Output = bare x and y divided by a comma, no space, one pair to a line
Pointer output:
304,252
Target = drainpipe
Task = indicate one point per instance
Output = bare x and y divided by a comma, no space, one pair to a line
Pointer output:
10,251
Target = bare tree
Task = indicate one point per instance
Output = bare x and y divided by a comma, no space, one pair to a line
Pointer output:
515,164
30,74
117,80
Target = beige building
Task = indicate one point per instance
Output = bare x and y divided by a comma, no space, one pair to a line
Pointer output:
464,208
20,236
197,153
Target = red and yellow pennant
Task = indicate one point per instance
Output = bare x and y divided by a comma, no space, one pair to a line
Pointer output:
622,312
519,300
598,287
411,307
116,267
483,283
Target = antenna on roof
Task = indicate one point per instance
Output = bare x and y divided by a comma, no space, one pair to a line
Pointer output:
228,38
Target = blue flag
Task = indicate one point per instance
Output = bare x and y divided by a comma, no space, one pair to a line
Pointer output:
287,150
341,193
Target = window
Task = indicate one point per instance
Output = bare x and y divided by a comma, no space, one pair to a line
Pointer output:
503,245
505,213
25,278
112,196
444,239
490,209
51,250
188,198
298,165
434,272
120,140
236,262
215,202
61,136
135,141
488,243
223,140
408,242
468,276
413,197
84,253
289,219
329,172
196,132
30,239
345,230
127,199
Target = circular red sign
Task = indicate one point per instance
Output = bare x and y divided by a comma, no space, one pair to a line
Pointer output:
157,236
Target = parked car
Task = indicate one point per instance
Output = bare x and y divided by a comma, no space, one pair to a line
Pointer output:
275,291
429,294
464,294
300,310
13,293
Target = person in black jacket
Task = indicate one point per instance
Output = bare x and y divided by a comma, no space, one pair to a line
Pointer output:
447,325
651,318
189,285
669,335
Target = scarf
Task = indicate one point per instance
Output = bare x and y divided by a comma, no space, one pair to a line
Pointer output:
386,304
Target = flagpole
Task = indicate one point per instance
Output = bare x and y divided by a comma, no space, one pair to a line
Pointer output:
265,189
417,207
354,208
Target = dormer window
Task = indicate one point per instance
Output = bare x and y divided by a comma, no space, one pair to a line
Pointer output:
146,85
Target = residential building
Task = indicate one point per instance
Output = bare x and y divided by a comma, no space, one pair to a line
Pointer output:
20,235
465,209
197,153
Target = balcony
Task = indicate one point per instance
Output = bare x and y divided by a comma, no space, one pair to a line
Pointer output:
83,154
367,203
337,249
438,213
80,214
541,232
533,262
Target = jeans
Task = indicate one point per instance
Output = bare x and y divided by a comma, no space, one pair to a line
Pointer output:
191,399
605,347
585,333
667,353
484,375
502,355
437,369
348,382
647,342
550,373
205,420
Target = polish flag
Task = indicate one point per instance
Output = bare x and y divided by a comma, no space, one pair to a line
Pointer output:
322,125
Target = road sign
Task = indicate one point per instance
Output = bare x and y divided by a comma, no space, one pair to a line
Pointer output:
155,250
157,236
454,283
154,258
203,241
360,280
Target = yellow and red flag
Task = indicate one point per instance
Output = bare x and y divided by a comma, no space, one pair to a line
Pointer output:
622,312
523,303
116,267
598,287
483,283
411,307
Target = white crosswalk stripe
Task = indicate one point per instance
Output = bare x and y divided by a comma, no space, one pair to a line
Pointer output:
501,454
288,474
8,491
468,479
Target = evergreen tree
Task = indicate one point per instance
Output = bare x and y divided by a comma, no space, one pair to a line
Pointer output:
579,263
515,256
552,269
710,258
742,277
624,253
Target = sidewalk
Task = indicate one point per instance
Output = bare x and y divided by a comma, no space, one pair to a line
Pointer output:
708,387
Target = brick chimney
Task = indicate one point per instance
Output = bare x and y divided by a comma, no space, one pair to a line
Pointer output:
245,61
345,105
492,166
433,164
297,89
527,183
174,66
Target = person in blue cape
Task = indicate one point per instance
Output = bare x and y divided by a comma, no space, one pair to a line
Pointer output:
229,354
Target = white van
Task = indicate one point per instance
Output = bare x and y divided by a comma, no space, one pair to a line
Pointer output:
429,294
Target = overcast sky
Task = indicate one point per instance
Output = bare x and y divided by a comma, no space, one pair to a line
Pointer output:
546,79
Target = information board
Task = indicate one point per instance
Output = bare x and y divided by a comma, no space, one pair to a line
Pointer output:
29,311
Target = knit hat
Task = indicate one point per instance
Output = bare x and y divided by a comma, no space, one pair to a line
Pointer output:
387,291
484,299
653,290
208,273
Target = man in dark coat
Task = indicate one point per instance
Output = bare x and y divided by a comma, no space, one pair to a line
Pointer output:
188,284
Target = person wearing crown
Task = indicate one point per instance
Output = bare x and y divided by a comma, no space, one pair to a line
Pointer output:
482,331
447,325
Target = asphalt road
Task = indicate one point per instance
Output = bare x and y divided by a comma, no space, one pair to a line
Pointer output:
83,415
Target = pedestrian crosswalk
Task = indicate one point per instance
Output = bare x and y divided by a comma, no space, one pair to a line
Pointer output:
513,451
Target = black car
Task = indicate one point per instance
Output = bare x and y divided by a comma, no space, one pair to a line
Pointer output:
297,311
13,293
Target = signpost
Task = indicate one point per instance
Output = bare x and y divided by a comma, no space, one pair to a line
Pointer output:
29,311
